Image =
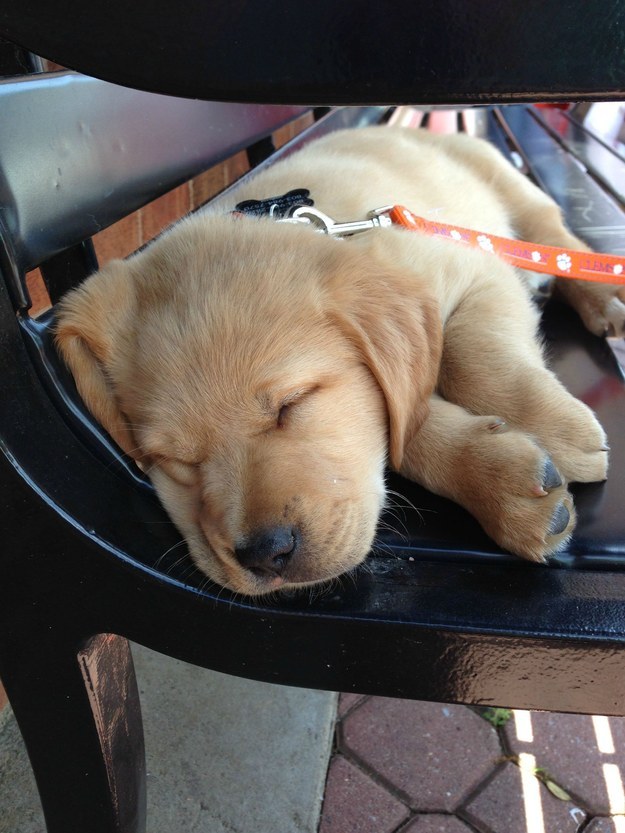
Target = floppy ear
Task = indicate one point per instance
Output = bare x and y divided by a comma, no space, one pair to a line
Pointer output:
395,322
92,324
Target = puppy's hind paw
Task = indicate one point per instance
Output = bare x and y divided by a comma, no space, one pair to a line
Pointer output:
602,308
614,316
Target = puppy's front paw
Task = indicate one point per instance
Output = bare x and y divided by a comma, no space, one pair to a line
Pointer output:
518,494
535,525
576,442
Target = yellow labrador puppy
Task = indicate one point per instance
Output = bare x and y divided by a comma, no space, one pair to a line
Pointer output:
264,374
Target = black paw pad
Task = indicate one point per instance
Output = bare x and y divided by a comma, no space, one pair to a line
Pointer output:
559,520
551,476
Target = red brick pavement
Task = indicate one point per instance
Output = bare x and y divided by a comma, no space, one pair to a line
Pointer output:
413,767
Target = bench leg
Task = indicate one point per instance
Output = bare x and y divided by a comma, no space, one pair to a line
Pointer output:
81,721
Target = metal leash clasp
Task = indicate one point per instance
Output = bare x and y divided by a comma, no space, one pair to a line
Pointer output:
378,218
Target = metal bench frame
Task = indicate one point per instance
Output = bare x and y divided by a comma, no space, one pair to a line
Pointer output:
443,616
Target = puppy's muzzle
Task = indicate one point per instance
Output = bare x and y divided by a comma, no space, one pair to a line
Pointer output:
267,553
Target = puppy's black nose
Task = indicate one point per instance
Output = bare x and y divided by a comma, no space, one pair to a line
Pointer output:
268,551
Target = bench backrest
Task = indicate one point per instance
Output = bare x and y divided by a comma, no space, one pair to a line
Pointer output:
340,53
108,151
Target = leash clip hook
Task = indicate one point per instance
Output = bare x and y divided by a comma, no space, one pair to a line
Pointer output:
326,225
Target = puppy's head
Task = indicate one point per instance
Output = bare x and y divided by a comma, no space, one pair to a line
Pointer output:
260,374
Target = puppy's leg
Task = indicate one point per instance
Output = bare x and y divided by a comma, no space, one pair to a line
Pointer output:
492,364
601,306
501,475
537,218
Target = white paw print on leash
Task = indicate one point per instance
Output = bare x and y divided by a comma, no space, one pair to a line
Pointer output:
485,243
564,262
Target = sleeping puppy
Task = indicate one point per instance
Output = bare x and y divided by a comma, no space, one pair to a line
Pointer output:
264,374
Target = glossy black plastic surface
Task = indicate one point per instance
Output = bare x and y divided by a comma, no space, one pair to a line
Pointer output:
436,581
440,613
330,52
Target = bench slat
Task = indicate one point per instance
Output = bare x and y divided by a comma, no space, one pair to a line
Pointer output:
597,157
589,211
582,115
486,126
102,163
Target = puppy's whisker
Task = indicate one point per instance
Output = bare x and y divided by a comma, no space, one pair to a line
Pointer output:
171,549
365,567
139,447
390,517
352,575
188,573
206,583
336,583
219,592
324,588
189,570
403,537
402,499
166,553
239,598
380,548
133,426
406,503
317,591
127,458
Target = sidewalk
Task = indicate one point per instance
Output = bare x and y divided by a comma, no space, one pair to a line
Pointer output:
224,755
227,755
420,767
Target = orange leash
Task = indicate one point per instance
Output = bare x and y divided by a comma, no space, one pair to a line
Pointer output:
564,263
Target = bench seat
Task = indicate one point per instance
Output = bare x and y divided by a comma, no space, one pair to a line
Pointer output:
440,613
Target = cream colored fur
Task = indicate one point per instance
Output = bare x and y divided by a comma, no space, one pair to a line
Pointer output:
263,374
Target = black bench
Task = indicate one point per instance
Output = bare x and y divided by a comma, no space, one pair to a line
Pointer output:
441,613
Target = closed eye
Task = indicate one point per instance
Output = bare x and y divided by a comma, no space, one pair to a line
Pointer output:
282,414
183,473
290,402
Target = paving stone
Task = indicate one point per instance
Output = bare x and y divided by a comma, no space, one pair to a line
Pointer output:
356,804
584,754
510,804
348,701
435,754
436,823
607,825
